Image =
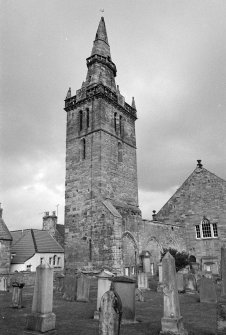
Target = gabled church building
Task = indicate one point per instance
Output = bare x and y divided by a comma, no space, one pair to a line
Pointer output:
103,223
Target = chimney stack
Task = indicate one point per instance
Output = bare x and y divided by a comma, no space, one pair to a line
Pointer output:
199,165
1,210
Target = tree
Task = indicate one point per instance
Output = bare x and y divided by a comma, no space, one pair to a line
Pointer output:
181,258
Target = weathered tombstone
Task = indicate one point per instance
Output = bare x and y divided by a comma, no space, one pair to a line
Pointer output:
172,322
143,281
110,314
207,290
139,296
146,261
180,281
70,287
190,283
17,295
42,319
125,288
160,286
60,282
3,283
83,286
221,304
104,284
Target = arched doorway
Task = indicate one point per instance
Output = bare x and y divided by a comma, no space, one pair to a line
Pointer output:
129,254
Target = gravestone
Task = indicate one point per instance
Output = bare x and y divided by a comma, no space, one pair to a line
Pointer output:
190,283
139,296
60,283
125,288
70,287
172,321
103,285
143,281
207,290
160,286
83,286
180,282
110,314
42,319
221,304
3,283
17,294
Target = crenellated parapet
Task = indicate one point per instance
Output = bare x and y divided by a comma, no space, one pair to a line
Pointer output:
96,91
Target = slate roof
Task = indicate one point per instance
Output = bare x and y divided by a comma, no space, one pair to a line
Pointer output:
4,232
33,241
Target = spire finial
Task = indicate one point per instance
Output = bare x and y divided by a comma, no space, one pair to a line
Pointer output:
133,103
199,165
68,93
100,45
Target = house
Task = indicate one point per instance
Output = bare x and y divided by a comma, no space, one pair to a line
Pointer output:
31,247
5,253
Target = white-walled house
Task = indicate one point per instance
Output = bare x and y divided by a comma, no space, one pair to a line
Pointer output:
31,247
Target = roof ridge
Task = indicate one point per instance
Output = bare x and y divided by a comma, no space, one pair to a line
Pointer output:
34,241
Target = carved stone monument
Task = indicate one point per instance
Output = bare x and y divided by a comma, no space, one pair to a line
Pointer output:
110,314
42,319
83,286
172,320
207,290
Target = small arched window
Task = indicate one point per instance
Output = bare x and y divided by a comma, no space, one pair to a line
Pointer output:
83,148
115,121
87,118
80,120
119,152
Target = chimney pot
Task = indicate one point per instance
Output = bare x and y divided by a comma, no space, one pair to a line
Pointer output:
46,213
199,165
54,213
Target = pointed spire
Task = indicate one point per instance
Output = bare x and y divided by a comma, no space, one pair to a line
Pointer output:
100,45
133,103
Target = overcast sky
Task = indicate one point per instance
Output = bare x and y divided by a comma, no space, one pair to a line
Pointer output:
170,55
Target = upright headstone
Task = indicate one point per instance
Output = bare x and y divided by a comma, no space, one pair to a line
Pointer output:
139,295
190,283
143,281
60,283
207,290
104,284
17,295
180,282
160,285
42,319
70,287
3,283
125,288
221,304
172,322
83,286
110,314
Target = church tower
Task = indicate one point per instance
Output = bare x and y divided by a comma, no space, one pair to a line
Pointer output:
101,192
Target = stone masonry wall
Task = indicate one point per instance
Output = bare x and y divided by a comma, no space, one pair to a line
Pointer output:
5,247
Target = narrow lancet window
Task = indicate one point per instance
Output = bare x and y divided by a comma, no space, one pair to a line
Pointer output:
115,121
87,118
120,124
80,120
83,148
119,152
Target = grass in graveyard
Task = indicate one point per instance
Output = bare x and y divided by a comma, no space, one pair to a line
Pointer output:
77,317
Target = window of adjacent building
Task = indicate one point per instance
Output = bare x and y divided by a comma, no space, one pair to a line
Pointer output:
119,152
50,260
58,261
80,120
29,267
54,259
115,121
87,118
206,229
41,260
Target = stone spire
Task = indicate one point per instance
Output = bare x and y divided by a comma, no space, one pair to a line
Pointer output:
100,44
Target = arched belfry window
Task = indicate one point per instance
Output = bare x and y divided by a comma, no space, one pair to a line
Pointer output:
206,229
115,121
80,119
87,118
83,148
119,152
